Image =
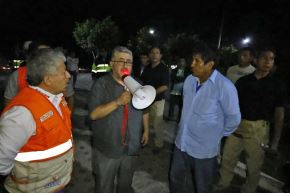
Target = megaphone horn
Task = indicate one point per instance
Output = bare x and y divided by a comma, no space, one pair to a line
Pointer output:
143,96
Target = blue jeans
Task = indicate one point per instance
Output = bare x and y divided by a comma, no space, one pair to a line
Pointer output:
191,175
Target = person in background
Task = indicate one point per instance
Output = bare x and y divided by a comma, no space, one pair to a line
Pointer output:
100,66
262,97
73,66
156,75
36,150
17,80
144,62
178,76
210,112
116,126
245,67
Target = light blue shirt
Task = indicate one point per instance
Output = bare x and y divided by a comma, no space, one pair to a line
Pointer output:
208,114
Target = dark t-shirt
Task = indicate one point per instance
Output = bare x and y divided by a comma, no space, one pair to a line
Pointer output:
259,97
156,77
107,137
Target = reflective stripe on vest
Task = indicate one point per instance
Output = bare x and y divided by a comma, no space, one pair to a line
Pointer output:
101,68
39,155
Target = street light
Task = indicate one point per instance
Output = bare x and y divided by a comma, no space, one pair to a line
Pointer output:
151,31
246,41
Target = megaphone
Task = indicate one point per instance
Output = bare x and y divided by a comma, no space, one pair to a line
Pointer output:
143,96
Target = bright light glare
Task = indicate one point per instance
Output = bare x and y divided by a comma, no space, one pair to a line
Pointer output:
151,31
246,40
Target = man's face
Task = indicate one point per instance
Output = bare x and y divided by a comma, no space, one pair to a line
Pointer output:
155,56
144,60
245,58
59,80
265,62
198,67
120,62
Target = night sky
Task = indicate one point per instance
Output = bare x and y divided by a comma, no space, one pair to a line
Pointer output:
265,21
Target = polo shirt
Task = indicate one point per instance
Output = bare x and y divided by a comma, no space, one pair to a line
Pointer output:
259,97
156,77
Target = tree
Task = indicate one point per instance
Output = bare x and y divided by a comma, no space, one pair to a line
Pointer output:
92,35
227,57
181,45
143,40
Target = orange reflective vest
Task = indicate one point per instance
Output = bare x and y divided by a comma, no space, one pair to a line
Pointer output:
53,135
22,82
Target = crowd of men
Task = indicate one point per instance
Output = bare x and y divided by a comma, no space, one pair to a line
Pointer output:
244,108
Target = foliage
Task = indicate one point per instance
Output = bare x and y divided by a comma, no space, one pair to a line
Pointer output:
92,35
181,45
228,57
143,41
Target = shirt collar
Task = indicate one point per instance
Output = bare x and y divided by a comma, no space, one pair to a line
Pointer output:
54,99
211,77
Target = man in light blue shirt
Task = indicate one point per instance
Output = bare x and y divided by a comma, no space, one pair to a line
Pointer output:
210,111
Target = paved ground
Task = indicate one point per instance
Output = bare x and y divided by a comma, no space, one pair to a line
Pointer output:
151,175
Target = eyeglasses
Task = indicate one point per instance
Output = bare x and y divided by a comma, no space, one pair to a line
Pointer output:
124,63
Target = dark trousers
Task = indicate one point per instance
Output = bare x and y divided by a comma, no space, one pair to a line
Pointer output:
191,175
107,169
175,99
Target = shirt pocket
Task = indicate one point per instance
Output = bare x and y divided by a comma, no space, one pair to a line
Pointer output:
48,128
50,124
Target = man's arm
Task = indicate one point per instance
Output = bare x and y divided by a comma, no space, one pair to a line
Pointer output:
161,89
11,87
164,81
278,126
145,136
16,127
105,109
231,109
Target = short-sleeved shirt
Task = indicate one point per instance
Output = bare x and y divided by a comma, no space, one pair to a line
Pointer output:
156,77
107,137
12,87
72,64
259,97
236,72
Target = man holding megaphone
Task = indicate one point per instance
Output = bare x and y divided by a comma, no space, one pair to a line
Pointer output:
117,125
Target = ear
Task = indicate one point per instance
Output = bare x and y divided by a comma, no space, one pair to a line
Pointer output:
47,80
210,64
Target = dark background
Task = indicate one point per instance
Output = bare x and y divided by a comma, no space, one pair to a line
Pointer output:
267,22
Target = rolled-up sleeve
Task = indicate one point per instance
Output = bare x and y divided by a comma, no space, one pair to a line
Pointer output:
16,127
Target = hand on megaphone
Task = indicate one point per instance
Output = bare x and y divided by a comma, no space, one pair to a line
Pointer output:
143,96
124,98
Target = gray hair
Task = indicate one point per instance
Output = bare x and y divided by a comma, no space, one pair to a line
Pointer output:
122,49
43,62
